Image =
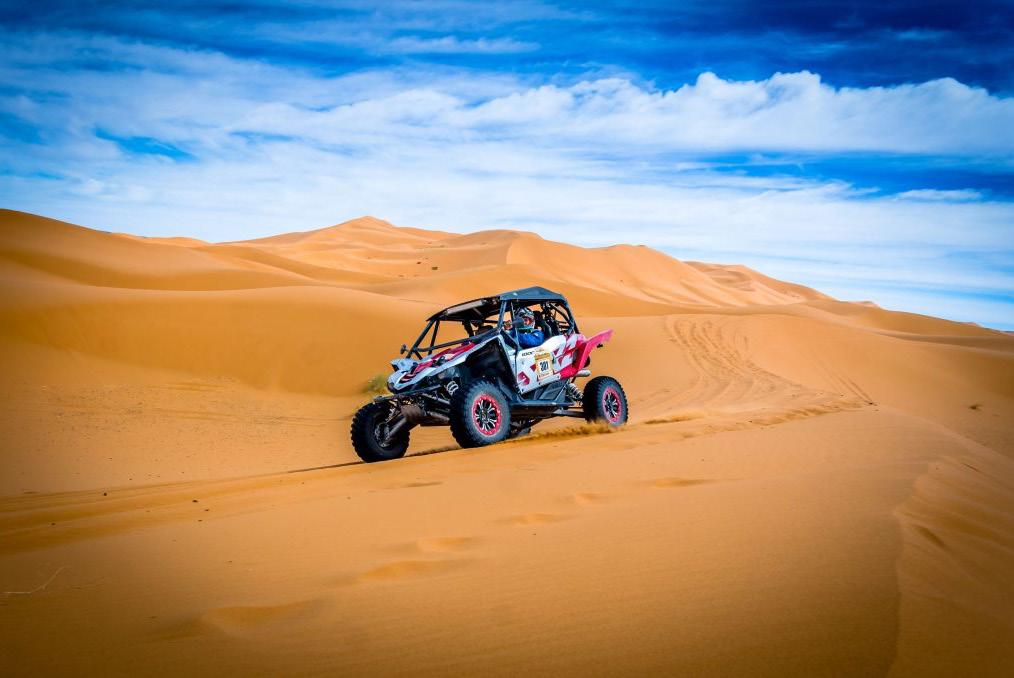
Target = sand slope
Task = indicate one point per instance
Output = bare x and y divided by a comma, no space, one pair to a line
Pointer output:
807,486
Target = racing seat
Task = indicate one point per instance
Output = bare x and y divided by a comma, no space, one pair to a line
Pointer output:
547,329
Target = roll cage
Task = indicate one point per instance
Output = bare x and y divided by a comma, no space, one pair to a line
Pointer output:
488,315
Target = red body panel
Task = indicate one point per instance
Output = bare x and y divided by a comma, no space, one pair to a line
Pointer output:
583,349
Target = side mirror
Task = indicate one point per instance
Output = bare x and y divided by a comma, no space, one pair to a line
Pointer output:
402,350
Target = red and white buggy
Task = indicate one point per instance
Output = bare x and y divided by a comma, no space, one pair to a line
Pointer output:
478,380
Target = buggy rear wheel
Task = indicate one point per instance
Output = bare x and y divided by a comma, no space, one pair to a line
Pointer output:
604,401
480,415
371,433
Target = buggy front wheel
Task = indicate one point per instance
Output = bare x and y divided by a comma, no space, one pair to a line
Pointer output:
372,435
480,415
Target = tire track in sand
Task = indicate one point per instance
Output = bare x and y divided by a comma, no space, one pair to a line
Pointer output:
727,379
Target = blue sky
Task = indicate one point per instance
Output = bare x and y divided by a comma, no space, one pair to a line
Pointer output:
863,148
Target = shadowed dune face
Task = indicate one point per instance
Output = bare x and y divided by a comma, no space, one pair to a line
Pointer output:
806,486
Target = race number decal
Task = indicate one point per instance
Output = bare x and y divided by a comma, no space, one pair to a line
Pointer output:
543,365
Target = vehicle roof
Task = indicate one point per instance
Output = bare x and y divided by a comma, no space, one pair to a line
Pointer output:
483,306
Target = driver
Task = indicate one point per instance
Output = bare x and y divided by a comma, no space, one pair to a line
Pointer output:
524,329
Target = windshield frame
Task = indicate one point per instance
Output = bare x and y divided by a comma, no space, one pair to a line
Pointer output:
427,344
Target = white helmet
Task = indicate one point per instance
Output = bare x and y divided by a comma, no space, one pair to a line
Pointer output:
525,319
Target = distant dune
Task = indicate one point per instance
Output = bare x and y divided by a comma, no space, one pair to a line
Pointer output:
807,486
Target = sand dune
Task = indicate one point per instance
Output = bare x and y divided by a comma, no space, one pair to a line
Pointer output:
807,486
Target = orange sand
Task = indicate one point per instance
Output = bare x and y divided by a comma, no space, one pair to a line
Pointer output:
807,486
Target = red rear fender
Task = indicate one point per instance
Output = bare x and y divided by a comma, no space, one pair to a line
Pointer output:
600,338
582,351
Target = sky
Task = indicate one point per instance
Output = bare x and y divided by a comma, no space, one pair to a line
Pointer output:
863,148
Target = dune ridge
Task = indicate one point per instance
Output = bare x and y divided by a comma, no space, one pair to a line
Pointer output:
807,485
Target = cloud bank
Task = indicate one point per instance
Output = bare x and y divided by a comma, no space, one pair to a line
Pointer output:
896,193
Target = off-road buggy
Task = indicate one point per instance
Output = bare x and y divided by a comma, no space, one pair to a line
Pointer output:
468,370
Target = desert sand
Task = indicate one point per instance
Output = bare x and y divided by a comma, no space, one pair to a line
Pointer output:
807,486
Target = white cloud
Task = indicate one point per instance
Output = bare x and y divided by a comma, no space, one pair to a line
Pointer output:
450,44
787,112
171,93
961,195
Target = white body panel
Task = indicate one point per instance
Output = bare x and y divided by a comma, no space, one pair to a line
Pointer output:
403,366
533,367
541,365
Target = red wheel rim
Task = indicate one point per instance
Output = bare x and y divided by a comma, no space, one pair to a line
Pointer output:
486,415
612,405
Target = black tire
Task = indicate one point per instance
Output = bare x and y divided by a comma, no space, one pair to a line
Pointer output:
366,429
480,415
604,401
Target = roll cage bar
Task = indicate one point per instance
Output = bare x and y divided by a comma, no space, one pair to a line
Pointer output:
474,316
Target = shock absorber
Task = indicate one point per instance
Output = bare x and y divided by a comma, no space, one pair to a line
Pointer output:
573,392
